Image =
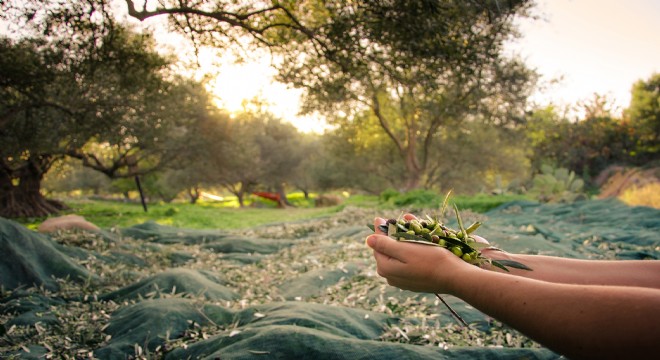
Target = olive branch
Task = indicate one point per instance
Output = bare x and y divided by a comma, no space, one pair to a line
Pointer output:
460,242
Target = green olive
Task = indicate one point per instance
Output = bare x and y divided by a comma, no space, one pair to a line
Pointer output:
457,251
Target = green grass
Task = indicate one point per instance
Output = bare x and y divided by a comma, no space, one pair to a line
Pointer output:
226,215
198,216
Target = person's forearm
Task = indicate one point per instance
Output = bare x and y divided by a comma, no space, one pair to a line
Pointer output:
575,320
586,272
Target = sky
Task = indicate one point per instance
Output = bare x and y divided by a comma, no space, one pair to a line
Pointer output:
592,46
595,46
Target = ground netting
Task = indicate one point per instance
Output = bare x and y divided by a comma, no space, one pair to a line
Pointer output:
305,289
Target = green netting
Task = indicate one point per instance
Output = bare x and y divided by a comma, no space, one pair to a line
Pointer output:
238,244
584,229
296,342
305,289
29,258
175,281
312,283
148,324
154,232
30,308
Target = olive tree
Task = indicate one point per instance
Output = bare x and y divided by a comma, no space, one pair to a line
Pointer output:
419,68
104,96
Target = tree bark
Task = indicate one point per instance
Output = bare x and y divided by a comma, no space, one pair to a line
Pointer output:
194,194
284,202
20,191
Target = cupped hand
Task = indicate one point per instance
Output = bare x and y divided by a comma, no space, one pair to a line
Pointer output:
416,267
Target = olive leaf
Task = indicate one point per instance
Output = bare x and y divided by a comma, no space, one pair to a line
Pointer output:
513,264
430,231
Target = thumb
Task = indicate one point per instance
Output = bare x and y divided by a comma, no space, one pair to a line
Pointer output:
385,245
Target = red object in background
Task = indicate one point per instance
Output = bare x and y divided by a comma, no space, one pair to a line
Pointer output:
268,195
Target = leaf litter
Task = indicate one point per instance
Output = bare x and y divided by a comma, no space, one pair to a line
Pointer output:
75,326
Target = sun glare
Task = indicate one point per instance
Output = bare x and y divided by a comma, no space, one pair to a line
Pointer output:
235,85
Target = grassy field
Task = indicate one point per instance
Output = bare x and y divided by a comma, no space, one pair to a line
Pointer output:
226,215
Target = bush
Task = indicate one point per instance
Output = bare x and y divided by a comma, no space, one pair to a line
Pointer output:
418,197
328,200
388,194
482,203
557,185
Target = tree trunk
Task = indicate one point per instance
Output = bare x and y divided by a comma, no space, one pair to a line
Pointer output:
194,194
413,171
23,198
239,196
284,202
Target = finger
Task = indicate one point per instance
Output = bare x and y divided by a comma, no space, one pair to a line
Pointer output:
479,239
385,245
387,265
410,217
377,222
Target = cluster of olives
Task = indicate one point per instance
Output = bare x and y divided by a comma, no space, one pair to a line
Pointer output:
459,242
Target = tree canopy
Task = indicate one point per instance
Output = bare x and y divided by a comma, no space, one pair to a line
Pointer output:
104,96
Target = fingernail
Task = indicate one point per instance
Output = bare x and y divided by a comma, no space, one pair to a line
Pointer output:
371,241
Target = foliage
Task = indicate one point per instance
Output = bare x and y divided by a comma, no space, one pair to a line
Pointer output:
70,177
644,115
388,194
478,158
104,96
421,198
253,149
557,185
482,203
417,197
647,195
394,64
599,139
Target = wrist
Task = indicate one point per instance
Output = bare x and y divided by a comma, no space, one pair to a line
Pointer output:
455,282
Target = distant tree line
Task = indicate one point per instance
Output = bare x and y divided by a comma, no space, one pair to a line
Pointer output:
419,92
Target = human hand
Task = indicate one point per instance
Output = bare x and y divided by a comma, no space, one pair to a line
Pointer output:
416,267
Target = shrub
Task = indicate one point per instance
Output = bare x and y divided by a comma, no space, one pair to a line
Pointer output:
419,197
557,185
388,194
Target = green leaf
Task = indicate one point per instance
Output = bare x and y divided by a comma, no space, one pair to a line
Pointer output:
422,242
460,221
513,264
496,263
456,242
407,236
470,229
444,203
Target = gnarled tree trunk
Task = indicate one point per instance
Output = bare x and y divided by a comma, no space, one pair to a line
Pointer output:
20,190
